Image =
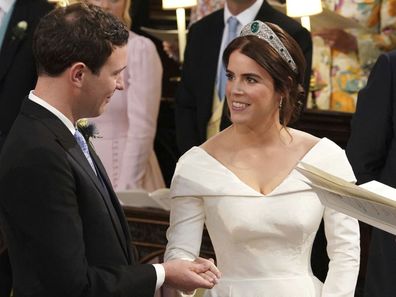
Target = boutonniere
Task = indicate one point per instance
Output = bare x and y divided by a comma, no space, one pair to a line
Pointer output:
60,3
88,130
19,30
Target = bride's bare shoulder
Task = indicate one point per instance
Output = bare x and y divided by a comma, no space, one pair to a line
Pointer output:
217,144
304,139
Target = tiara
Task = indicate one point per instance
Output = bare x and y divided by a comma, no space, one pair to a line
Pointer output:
263,31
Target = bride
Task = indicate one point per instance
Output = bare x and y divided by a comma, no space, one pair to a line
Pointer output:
243,184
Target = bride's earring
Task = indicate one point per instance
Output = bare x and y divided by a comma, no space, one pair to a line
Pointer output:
280,102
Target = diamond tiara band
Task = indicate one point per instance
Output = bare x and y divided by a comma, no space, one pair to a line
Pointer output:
262,31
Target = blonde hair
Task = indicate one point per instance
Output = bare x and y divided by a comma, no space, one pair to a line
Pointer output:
126,17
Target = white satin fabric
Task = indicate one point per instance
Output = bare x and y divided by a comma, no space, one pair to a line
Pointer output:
263,242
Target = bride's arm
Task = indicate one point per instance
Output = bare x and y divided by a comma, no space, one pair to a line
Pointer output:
185,230
343,249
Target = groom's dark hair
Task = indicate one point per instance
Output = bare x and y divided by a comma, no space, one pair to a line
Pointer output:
77,33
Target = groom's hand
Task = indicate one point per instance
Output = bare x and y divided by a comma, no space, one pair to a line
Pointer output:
188,276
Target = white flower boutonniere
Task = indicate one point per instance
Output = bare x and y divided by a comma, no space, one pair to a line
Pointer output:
88,130
60,3
19,30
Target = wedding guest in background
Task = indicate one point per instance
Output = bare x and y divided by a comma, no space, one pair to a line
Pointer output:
343,58
242,183
203,8
18,19
371,151
140,13
65,229
127,128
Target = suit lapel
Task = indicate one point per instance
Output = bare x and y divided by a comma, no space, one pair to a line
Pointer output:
67,141
10,46
113,203
104,189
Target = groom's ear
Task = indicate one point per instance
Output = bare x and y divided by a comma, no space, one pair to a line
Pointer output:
77,74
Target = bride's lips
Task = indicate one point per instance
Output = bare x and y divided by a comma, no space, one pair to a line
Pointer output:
239,106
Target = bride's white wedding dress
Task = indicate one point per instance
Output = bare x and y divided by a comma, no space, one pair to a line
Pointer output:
263,242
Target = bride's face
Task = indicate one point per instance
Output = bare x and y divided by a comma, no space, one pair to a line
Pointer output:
115,7
250,92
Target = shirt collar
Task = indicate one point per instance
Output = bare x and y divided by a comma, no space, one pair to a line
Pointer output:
53,110
6,5
245,16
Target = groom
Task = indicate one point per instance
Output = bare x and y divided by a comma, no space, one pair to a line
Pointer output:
66,232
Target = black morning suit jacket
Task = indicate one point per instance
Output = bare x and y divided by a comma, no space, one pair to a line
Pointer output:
371,150
17,66
67,235
194,96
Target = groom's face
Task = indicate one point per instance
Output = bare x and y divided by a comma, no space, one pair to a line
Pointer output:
99,88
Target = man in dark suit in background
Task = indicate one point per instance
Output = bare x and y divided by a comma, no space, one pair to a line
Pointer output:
18,19
140,11
17,71
65,229
371,150
195,115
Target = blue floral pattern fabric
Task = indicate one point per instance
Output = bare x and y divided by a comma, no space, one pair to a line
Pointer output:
84,147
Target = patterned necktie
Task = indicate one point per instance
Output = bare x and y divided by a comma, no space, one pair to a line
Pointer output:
84,147
231,34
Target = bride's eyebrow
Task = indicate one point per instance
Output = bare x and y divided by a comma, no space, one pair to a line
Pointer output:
251,74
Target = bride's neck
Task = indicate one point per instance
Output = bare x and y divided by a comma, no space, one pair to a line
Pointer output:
273,134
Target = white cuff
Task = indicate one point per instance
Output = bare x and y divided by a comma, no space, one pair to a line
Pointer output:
160,271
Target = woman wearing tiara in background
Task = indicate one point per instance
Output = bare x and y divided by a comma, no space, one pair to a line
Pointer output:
243,184
127,127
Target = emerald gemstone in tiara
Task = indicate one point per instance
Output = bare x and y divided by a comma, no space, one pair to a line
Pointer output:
264,32
255,27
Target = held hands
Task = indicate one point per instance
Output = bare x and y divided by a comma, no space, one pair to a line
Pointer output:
188,276
338,39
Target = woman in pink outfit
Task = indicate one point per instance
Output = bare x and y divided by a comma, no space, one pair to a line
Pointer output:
127,127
